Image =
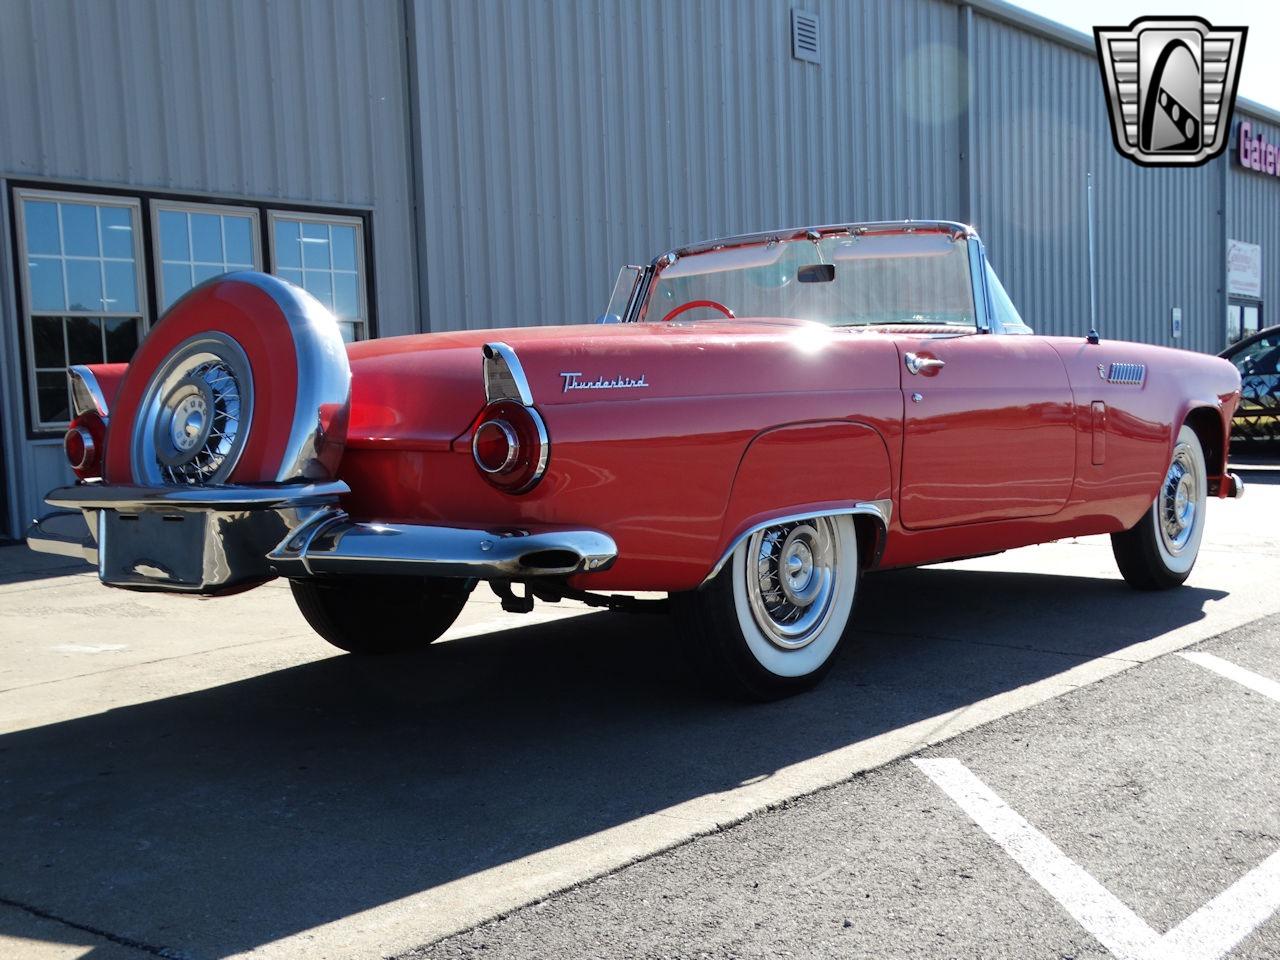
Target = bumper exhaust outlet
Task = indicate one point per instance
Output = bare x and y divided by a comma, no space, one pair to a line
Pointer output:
332,543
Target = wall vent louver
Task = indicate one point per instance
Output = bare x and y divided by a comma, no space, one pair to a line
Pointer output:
804,36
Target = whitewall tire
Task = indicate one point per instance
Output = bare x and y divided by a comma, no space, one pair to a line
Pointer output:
770,622
1159,551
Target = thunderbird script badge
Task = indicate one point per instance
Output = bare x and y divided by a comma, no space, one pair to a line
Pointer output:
573,381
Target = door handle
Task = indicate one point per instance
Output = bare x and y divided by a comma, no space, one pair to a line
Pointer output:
917,364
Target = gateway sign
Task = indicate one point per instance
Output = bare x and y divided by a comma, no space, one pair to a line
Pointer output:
1256,152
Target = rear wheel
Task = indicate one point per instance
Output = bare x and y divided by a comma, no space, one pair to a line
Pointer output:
769,624
1159,551
383,615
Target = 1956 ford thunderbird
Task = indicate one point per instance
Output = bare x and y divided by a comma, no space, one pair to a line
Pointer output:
756,422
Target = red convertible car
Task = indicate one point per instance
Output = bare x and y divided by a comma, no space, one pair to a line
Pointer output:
757,422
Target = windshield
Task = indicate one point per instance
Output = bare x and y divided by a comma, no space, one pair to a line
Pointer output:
897,278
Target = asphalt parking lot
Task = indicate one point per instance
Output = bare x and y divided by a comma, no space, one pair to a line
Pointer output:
207,779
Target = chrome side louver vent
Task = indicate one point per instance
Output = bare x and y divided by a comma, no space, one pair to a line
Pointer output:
1132,373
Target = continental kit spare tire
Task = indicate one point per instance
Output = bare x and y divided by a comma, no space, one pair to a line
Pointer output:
244,380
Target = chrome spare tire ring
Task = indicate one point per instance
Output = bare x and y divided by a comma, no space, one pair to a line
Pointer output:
791,580
194,419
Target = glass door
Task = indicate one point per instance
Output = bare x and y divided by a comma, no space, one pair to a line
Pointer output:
1244,319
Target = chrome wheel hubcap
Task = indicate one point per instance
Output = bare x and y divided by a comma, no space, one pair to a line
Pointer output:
791,570
1179,501
193,421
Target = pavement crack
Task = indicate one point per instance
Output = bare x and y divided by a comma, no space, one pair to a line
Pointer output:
120,939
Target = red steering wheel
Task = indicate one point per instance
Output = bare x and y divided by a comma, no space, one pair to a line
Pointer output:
692,304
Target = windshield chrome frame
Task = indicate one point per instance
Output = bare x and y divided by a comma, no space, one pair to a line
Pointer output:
640,303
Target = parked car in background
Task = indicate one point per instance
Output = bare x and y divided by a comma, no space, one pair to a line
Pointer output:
1257,418
770,417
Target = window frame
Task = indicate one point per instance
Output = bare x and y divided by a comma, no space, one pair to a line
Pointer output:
148,291
21,195
158,205
275,214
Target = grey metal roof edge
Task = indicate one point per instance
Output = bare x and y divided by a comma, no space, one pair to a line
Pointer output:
1060,33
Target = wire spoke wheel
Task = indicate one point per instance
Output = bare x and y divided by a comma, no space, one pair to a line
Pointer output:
1179,501
194,419
790,572
1158,551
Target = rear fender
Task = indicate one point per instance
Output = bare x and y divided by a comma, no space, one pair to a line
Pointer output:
94,386
811,469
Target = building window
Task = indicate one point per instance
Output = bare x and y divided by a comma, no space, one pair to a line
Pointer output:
82,290
90,281
195,242
325,256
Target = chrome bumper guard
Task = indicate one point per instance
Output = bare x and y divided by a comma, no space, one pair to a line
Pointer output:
207,539
1227,485
217,539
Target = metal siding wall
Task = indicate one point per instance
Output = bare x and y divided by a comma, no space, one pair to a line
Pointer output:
295,100
1252,201
1040,123
301,100
563,138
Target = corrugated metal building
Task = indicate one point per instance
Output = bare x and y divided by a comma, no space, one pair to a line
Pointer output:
436,164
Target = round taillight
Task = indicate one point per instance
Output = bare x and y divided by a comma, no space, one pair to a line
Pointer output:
79,447
509,446
495,446
83,443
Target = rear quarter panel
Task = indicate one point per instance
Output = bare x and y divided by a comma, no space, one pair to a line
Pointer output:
730,428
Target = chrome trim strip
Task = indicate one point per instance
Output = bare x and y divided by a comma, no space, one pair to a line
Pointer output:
504,378
882,510
86,392
59,533
544,449
958,231
324,373
128,497
333,544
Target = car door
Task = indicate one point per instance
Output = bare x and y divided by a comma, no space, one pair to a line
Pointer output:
989,429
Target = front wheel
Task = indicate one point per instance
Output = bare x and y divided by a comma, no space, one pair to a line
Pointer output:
1159,551
381,615
769,624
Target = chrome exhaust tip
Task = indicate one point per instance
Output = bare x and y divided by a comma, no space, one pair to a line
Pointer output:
332,543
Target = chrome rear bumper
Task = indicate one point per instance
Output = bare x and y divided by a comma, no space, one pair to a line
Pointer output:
332,543
217,539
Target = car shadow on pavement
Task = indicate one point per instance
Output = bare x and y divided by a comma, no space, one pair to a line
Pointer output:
229,817
19,564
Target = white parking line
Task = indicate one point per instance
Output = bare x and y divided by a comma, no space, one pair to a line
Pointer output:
1254,681
1208,934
